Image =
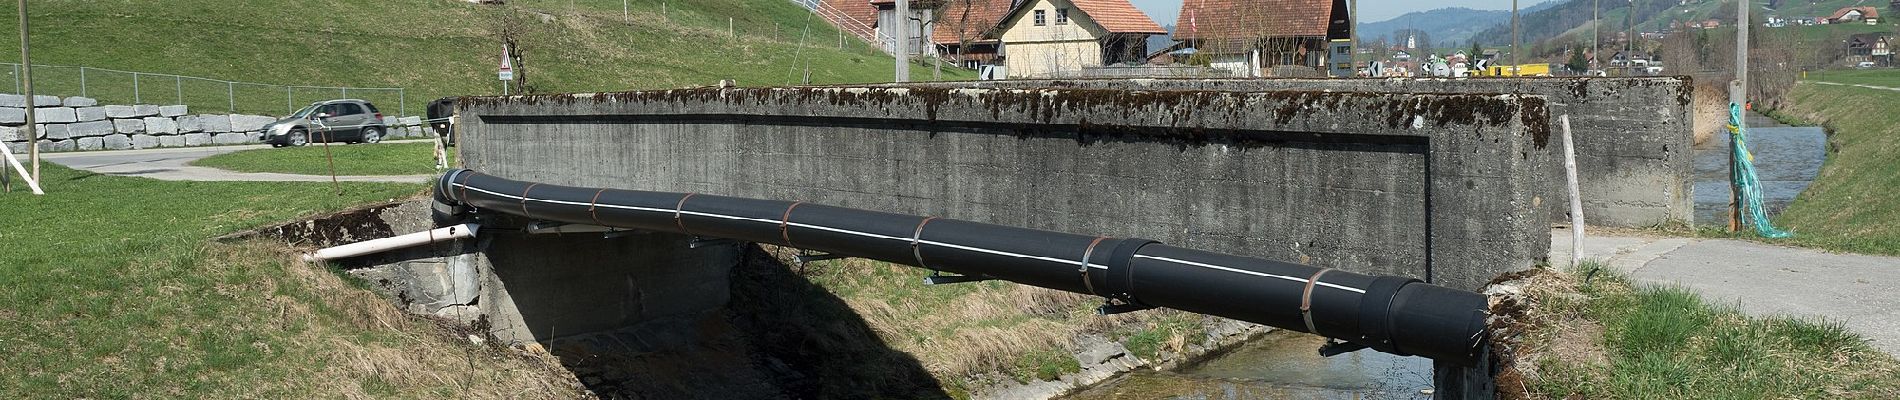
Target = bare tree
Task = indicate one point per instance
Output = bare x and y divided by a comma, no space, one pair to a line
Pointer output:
512,28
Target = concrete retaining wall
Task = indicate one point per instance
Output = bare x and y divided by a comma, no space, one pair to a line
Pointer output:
1439,187
1633,135
79,123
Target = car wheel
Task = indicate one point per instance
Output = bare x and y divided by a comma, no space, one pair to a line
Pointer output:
298,138
372,135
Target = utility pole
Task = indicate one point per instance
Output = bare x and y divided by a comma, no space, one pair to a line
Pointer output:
1596,31
1629,38
1353,58
1738,96
902,39
26,87
1514,40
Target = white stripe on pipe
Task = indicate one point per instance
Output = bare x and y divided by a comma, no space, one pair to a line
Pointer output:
1254,273
907,240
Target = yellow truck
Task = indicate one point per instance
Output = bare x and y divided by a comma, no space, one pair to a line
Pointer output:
1521,70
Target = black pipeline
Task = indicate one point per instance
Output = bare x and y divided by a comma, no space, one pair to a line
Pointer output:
1389,314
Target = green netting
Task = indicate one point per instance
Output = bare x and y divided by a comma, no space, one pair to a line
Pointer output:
1755,214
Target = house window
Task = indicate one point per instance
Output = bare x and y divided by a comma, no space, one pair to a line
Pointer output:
1062,16
1041,19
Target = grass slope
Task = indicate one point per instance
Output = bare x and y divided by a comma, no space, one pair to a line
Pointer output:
108,289
398,158
1851,206
1608,339
433,48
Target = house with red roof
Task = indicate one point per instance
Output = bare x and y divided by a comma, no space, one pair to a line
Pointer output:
1056,38
1251,37
1868,14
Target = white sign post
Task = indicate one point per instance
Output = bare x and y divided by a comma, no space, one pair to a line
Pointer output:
507,72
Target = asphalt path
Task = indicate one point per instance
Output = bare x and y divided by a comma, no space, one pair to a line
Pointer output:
172,164
1861,292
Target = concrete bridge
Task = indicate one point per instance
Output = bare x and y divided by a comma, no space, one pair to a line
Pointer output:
1449,182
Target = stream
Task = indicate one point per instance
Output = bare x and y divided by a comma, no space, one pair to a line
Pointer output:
1280,365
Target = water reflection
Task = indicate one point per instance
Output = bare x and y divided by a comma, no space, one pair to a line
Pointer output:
1282,365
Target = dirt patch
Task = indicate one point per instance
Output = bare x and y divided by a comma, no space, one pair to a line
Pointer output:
1710,113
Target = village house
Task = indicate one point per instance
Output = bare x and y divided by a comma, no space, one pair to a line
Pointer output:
1875,47
965,31
1867,14
1252,37
1055,38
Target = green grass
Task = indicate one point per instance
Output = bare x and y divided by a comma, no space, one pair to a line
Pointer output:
433,48
109,289
1850,207
1877,77
1667,342
394,158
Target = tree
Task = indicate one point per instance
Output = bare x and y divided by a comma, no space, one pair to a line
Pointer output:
1577,61
511,28
1475,50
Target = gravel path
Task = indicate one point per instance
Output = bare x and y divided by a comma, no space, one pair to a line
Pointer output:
171,164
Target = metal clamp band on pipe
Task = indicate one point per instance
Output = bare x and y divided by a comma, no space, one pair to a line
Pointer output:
1120,279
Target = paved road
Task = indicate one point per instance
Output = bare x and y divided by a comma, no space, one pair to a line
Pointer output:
1862,292
1856,85
170,164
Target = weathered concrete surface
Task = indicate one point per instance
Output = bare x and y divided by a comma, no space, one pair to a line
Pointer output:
1633,135
1438,187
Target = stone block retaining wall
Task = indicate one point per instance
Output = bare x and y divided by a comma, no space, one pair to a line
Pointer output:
80,123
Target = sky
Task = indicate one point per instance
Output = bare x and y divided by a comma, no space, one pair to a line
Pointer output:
1165,11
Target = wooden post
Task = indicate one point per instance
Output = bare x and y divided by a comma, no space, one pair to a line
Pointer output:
1576,198
1738,95
902,47
26,82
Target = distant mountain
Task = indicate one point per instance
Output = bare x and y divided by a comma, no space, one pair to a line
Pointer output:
1448,27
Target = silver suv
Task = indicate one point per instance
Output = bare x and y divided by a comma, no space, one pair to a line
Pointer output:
342,120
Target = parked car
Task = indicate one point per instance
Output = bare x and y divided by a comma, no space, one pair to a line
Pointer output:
1864,65
342,120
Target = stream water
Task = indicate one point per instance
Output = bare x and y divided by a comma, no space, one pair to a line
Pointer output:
1281,365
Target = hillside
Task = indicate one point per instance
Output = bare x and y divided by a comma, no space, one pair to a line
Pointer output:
1449,27
433,47
1572,17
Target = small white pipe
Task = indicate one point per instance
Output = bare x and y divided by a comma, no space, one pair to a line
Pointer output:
392,243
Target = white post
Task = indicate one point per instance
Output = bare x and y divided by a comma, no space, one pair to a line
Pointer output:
31,181
1576,199
902,47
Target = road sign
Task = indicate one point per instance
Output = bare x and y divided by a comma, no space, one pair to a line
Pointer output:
507,67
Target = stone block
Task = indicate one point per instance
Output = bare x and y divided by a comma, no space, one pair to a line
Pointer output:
128,125
144,110
90,143
234,138
144,141
11,134
214,123
171,111
59,145
118,142
46,101
16,147
160,126
12,115
120,111
54,131
12,100
77,101
171,141
54,115
89,113
249,123
90,129
197,139
188,124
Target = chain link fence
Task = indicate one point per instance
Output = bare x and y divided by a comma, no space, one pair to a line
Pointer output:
203,95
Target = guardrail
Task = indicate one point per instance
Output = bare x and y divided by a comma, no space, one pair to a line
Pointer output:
112,86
